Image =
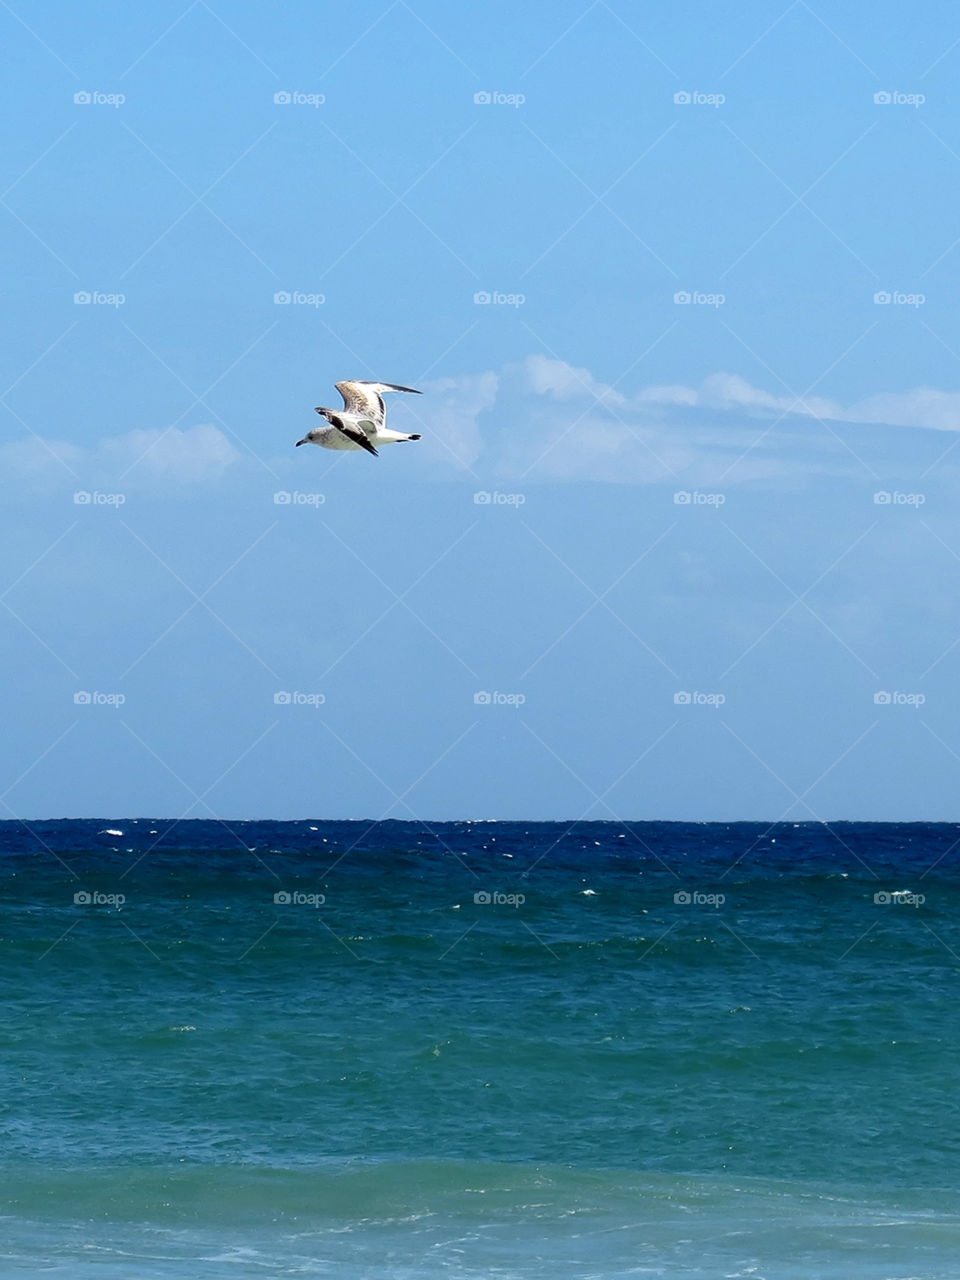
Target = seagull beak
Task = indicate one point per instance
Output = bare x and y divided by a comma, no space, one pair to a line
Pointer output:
300,442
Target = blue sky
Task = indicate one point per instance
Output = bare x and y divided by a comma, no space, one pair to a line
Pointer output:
713,400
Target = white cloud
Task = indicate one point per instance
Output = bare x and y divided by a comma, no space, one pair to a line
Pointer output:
667,395
142,458
729,391
565,381
193,455
543,419
922,407
450,427
38,463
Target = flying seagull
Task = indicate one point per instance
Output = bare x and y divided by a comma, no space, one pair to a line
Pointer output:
362,422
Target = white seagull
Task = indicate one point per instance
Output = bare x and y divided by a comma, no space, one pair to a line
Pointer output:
362,422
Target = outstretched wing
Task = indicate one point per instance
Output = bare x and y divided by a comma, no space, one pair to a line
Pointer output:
364,398
355,432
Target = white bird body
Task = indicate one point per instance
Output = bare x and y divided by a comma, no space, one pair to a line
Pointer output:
362,422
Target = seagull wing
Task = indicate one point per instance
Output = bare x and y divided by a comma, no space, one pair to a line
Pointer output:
357,432
364,398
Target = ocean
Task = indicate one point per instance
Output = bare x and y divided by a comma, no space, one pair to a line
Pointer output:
467,1049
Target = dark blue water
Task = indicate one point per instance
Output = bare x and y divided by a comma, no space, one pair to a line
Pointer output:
475,1049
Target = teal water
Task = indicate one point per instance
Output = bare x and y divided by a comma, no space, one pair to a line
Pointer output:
400,1080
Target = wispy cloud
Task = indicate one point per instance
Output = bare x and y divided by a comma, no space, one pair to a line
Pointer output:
144,458
546,420
543,420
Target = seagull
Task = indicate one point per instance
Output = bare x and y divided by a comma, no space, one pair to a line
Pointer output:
362,422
